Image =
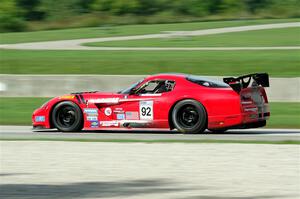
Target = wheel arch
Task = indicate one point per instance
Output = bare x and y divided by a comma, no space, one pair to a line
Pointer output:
171,125
55,104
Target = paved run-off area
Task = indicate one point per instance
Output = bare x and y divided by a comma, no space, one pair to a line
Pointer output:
31,169
259,135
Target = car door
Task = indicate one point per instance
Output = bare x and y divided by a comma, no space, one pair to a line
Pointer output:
146,105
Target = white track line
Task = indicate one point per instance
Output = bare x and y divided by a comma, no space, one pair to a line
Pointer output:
28,129
76,43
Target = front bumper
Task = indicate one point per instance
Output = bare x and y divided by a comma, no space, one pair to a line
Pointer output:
40,119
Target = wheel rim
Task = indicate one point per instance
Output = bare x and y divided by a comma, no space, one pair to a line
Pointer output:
66,116
188,116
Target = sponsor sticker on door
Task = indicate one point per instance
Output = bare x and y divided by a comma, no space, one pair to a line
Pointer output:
109,123
120,116
146,110
107,111
132,115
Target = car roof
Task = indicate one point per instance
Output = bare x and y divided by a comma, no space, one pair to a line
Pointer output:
186,76
168,75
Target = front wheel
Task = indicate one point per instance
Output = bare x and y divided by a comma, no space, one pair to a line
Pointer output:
67,117
189,116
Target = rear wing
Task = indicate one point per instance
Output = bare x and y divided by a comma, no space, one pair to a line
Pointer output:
237,83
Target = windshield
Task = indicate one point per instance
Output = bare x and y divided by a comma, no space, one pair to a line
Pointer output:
127,90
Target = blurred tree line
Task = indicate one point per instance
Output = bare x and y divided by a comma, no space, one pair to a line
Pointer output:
21,15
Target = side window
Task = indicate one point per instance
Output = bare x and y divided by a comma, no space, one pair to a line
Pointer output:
150,87
207,82
156,86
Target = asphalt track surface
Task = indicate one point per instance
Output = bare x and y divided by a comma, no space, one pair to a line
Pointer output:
26,132
90,170
76,44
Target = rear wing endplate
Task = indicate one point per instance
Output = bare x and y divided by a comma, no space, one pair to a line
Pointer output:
237,83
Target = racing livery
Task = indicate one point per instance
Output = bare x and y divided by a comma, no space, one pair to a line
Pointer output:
188,103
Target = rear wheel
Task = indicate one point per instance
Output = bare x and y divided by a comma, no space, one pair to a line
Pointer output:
67,117
189,116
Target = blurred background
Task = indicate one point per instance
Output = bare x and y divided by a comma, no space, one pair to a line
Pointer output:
28,15
83,55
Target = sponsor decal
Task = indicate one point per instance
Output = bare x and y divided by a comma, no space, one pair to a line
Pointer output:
67,97
107,111
92,118
132,115
120,116
109,123
113,100
39,118
94,124
118,110
91,111
146,110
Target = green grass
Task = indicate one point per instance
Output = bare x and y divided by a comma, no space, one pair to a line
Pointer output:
279,63
78,33
269,37
17,111
284,115
200,141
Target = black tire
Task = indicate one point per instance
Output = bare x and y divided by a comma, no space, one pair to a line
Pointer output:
189,116
67,116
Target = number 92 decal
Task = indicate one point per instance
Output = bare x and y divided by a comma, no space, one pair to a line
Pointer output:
146,110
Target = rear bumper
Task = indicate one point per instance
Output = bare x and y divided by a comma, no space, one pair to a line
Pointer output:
255,117
243,120
224,121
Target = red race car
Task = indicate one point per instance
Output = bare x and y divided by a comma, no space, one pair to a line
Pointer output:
188,103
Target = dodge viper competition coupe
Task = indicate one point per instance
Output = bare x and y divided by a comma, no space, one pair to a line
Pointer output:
188,103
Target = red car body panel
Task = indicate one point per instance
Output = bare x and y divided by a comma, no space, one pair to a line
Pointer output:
225,107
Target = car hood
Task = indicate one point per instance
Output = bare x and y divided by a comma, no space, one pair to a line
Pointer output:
98,97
